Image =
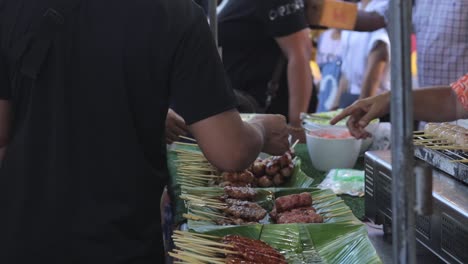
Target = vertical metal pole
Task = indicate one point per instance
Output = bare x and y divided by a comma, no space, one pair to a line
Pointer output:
403,187
212,5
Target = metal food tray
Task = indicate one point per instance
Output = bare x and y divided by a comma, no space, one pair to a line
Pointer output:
443,160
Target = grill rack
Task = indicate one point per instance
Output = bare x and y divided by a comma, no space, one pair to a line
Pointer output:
443,160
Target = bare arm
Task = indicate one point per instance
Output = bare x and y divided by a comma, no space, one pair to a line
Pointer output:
298,49
377,61
435,104
232,145
342,87
369,21
5,118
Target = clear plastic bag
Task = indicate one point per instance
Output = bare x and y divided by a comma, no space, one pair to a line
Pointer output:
344,181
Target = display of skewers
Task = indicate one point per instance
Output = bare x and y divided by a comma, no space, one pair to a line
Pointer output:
195,170
238,206
231,249
443,136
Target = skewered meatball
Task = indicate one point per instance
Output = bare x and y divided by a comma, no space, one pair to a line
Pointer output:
284,160
287,171
278,179
258,168
265,181
272,168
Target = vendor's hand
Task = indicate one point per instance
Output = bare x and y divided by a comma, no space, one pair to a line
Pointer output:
175,127
275,133
362,112
297,134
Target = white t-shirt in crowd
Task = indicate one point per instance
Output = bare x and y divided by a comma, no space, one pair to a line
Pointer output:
328,49
356,48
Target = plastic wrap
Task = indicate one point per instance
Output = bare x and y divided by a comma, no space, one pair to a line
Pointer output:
344,181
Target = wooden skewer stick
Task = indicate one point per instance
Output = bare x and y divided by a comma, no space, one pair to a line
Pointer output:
197,240
194,258
461,161
184,144
188,138
198,175
208,214
295,143
323,197
430,140
201,245
207,202
195,217
185,233
453,147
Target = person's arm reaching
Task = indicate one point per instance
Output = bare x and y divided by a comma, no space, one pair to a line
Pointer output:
435,104
298,48
377,61
369,21
233,145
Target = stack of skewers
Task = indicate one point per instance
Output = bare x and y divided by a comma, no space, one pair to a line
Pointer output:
442,136
238,207
231,249
195,170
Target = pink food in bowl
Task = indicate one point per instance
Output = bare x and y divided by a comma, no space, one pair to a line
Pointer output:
328,134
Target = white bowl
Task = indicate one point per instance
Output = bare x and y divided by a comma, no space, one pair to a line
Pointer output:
332,153
366,143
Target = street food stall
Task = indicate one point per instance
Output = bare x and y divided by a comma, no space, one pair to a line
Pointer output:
277,212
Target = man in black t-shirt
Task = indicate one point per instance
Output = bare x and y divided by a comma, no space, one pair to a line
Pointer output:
83,172
253,34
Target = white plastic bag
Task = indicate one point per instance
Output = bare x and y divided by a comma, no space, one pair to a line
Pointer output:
344,181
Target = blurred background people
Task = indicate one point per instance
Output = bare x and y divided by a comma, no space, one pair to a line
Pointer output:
329,60
254,35
366,57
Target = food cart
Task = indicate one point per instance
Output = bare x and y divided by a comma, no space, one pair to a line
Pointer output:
421,200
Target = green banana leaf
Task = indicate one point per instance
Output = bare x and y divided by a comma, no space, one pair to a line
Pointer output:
339,243
298,180
325,202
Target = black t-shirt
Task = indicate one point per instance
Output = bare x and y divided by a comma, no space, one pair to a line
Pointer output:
84,170
247,32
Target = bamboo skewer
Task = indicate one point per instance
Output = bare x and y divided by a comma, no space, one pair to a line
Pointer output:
318,198
430,140
197,235
460,161
195,217
184,255
295,143
185,144
188,138
453,147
